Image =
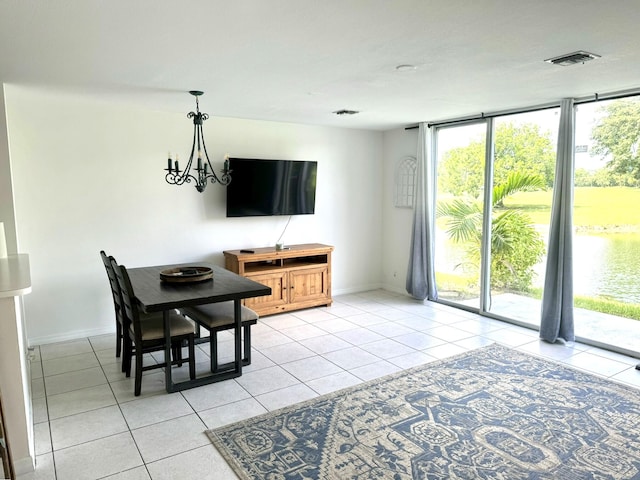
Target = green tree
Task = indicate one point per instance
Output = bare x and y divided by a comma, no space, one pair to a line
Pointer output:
516,247
583,177
462,170
602,178
617,137
518,148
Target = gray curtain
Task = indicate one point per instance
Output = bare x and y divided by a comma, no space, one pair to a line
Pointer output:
421,282
557,300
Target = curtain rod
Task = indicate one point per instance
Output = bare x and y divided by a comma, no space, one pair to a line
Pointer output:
483,116
596,97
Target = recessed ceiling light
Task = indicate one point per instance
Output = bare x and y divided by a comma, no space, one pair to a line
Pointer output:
406,68
344,111
572,58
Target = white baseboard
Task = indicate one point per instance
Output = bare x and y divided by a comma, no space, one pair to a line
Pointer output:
395,289
24,465
66,336
360,289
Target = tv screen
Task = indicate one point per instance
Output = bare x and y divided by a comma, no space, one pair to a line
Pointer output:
271,187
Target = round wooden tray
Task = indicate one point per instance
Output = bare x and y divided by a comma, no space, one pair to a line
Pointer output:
186,274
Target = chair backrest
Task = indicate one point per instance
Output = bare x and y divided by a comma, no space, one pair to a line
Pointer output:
113,282
129,308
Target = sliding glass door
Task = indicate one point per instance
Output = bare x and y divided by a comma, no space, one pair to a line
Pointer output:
460,153
523,160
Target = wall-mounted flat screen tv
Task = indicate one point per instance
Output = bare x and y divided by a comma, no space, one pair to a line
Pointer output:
271,187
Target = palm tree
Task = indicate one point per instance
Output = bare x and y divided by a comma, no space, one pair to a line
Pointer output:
515,245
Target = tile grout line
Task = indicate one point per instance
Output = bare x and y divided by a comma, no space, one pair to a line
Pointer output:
46,402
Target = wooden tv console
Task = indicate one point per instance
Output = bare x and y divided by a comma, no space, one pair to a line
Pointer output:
299,276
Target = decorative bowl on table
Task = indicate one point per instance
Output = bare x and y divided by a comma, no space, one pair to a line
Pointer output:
186,274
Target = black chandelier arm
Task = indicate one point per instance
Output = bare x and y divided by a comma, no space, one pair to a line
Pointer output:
174,175
193,146
212,174
176,179
226,177
198,117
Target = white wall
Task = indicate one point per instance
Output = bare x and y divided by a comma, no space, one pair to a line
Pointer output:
6,190
88,176
397,222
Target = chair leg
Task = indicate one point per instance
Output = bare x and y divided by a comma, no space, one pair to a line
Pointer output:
247,345
127,353
138,386
177,354
119,339
192,358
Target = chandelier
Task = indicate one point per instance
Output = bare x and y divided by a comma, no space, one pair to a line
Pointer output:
203,171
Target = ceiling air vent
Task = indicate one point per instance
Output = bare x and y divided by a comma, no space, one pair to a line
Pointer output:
572,58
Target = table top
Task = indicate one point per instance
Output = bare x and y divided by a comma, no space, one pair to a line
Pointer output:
154,295
289,250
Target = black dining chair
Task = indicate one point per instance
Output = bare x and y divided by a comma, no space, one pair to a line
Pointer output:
115,293
124,341
217,317
147,335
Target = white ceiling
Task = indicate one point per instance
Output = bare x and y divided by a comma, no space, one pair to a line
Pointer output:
300,60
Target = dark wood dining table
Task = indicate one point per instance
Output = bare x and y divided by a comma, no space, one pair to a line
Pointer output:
154,295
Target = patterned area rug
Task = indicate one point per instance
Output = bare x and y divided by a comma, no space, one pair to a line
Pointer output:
492,413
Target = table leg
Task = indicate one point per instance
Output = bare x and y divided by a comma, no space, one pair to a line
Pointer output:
167,351
237,316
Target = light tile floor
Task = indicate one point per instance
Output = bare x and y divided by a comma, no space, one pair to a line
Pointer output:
89,425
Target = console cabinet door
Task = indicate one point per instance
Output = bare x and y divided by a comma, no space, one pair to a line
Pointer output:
310,284
277,281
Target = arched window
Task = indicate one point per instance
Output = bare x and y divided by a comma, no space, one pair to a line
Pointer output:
405,177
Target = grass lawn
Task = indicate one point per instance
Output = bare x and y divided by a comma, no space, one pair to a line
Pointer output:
593,206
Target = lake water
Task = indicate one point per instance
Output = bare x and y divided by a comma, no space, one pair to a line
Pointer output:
607,266
604,265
